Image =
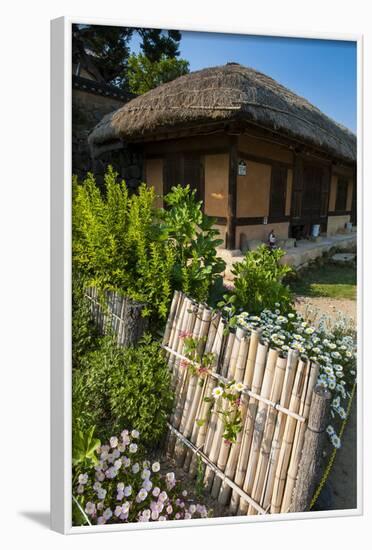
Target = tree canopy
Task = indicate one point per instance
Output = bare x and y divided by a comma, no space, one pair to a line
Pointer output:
144,75
105,52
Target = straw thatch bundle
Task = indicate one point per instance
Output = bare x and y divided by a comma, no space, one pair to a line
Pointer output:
215,96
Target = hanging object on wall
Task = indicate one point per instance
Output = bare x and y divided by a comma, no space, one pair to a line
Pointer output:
242,168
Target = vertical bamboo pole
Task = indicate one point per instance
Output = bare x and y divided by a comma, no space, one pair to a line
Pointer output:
214,345
287,440
231,449
171,317
214,438
178,371
261,470
177,341
247,381
237,369
308,470
176,323
227,353
183,371
280,425
210,383
299,436
195,394
258,373
190,383
259,422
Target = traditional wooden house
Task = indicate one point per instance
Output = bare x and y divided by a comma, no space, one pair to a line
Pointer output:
258,155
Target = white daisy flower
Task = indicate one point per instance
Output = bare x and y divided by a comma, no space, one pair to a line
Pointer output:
217,392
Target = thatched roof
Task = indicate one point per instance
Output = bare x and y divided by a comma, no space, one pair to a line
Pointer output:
229,93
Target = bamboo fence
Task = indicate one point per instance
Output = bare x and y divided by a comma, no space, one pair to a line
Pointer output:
116,314
258,472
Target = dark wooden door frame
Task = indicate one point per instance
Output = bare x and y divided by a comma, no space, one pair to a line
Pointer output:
297,214
232,193
277,166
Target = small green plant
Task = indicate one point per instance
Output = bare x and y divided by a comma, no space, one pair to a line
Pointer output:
227,399
197,268
84,446
227,396
117,386
258,283
199,481
198,362
84,332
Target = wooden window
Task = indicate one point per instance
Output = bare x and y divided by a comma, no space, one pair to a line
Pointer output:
311,199
184,169
341,195
278,191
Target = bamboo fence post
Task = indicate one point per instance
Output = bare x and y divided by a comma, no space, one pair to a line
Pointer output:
206,319
228,455
213,329
260,421
308,470
287,440
176,325
121,317
241,361
214,419
258,372
210,383
247,381
299,435
171,317
227,353
263,461
214,439
177,341
186,324
183,371
290,372
190,383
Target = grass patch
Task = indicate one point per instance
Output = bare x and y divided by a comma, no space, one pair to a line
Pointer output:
328,281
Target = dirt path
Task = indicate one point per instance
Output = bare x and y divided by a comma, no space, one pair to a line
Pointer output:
316,307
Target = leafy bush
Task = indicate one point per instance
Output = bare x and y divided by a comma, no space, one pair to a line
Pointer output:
258,283
123,386
116,243
84,332
197,268
125,243
122,487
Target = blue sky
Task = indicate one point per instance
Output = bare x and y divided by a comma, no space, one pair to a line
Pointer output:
322,71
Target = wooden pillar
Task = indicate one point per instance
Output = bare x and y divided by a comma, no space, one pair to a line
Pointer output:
309,466
232,192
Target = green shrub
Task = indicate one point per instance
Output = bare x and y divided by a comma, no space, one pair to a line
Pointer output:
123,386
116,245
258,283
197,269
84,332
124,243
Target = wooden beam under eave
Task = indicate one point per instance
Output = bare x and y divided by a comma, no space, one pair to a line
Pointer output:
232,193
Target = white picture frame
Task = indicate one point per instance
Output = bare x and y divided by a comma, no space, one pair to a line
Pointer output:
61,285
